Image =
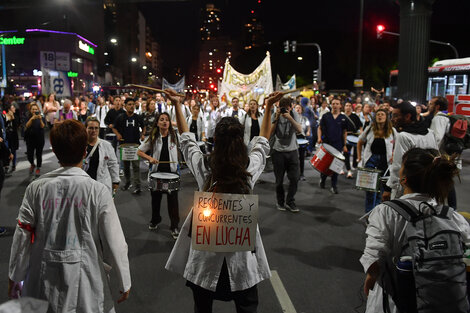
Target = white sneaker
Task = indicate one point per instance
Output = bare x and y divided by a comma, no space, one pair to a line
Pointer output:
350,175
175,233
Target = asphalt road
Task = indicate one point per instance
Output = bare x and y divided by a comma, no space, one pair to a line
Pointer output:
314,253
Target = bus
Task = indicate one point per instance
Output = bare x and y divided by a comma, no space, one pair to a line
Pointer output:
447,78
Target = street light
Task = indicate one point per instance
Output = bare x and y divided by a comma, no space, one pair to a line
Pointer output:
144,67
300,58
113,40
134,59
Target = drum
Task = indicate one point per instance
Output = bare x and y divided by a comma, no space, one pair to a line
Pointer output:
303,143
327,160
352,140
128,152
164,182
110,137
368,179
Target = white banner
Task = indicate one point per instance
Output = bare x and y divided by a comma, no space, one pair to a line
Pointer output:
55,82
179,86
257,85
290,85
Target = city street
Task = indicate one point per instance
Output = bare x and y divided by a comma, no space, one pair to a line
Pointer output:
313,254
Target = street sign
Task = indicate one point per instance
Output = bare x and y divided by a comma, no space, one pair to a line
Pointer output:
62,61
47,59
358,83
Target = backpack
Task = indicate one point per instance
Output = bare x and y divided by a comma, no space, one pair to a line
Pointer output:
458,137
435,280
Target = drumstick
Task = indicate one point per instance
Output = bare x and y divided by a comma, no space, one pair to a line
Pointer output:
155,89
297,89
169,162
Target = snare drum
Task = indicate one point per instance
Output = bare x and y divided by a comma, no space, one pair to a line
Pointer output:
128,152
164,182
352,140
327,160
302,143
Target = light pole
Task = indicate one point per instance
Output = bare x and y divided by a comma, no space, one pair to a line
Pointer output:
359,40
314,44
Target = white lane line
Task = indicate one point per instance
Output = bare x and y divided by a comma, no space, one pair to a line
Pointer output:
25,164
281,293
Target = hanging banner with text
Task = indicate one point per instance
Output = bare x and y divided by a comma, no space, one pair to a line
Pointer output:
224,222
178,87
257,85
56,82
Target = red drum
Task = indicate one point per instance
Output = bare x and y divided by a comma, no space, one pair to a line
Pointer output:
327,160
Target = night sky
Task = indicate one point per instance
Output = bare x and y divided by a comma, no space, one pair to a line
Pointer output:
332,24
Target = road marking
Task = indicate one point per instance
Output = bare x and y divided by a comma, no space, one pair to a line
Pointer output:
22,165
281,293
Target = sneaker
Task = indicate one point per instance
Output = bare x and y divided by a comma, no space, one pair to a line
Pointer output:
3,231
136,191
334,190
341,173
125,187
322,185
31,169
302,178
350,175
292,207
121,173
153,226
175,233
38,172
280,207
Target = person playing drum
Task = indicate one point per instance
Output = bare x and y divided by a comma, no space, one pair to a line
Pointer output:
162,144
377,140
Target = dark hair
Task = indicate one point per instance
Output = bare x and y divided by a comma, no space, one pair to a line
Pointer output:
155,131
257,114
441,102
405,108
428,172
388,127
91,119
285,102
229,159
235,98
69,140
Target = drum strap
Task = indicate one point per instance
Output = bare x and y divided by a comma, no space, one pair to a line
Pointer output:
88,158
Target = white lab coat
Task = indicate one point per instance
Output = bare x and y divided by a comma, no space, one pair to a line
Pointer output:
199,123
108,166
76,228
367,137
100,113
202,268
157,150
385,237
241,113
247,122
403,142
440,125
212,117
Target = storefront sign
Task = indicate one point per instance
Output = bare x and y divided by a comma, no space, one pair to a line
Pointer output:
85,47
224,222
11,41
72,74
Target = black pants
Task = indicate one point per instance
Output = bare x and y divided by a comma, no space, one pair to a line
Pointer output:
173,210
32,146
286,162
347,156
2,176
246,301
302,150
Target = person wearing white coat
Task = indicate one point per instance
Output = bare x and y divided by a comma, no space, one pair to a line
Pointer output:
67,229
213,275
378,140
161,150
196,123
386,228
411,134
235,110
100,161
252,122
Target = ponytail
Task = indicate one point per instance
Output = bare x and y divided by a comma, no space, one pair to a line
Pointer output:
429,172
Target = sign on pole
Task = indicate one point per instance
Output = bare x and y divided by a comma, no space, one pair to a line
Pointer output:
224,222
358,83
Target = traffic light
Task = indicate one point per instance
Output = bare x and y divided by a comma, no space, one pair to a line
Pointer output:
315,76
380,30
212,86
218,71
293,46
286,46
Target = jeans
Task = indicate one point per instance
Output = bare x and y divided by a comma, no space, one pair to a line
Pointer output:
377,161
135,173
286,162
347,156
34,145
173,210
334,179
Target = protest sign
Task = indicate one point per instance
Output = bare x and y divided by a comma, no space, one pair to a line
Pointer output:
224,222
